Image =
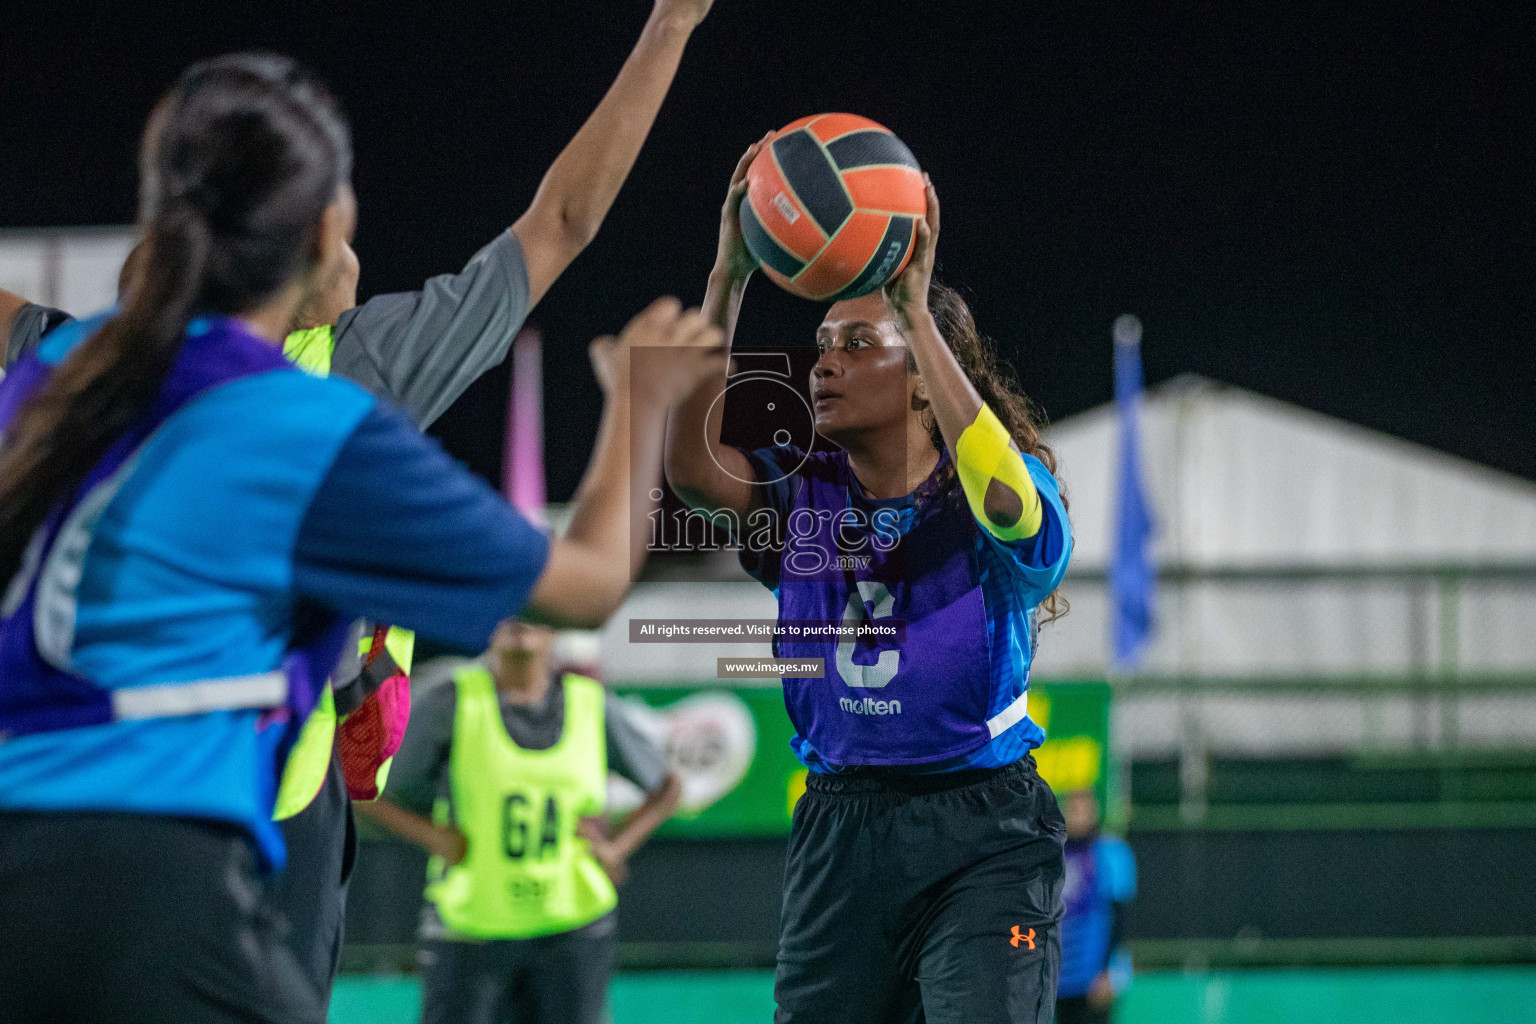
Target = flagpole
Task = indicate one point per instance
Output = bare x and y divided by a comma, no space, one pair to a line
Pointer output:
1131,574
1132,578
1126,333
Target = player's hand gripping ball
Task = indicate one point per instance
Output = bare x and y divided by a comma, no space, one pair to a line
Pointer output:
831,206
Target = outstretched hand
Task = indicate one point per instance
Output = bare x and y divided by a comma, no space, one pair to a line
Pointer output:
908,291
695,353
693,11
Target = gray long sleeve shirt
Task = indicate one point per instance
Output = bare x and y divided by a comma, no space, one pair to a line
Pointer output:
422,349
419,349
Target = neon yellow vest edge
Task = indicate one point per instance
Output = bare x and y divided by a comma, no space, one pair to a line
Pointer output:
310,759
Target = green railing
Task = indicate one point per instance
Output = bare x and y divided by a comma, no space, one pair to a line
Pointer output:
1434,681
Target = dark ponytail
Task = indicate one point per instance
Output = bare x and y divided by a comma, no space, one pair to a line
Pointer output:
237,166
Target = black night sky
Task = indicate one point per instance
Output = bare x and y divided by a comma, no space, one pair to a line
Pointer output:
1332,206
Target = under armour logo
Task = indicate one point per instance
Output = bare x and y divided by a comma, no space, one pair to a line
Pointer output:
1019,937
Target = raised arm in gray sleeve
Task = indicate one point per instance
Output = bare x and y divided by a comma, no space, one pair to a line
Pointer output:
419,764
631,752
32,322
422,349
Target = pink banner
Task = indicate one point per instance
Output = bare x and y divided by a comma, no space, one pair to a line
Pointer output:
522,467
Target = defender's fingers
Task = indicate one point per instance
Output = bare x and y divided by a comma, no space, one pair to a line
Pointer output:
706,363
656,316
707,336
692,327
600,349
701,332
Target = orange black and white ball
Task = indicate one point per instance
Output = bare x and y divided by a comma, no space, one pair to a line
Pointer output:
832,206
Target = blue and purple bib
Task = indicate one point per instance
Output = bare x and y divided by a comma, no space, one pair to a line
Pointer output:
152,658
948,690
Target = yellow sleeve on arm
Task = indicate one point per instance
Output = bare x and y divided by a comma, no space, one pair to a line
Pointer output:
983,454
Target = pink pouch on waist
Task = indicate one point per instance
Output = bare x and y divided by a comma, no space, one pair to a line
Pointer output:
370,735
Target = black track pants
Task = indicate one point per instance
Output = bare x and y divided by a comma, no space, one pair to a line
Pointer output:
922,899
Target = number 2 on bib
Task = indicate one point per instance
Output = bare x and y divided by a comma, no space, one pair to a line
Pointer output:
878,675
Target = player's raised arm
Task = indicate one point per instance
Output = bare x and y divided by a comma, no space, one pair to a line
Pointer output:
582,183
703,472
992,473
442,554
590,568
421,349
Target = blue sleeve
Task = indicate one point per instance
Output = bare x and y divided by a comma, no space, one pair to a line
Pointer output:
1118,865
400,533
1041,561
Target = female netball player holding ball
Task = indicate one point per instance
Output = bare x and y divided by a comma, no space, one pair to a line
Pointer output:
924,869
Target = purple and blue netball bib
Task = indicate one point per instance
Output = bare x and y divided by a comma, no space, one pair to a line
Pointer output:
36,694
916,698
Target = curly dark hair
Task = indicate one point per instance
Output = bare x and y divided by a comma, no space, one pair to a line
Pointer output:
999,388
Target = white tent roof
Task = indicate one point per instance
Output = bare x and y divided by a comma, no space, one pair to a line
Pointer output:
1239,479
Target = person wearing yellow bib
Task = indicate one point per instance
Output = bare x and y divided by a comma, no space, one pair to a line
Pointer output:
511,762
420,350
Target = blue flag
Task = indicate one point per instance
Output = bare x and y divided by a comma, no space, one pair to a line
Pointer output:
1132,576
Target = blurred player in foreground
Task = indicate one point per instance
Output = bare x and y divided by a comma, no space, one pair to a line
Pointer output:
1101,882
511,762
925,868
421,350
180,533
